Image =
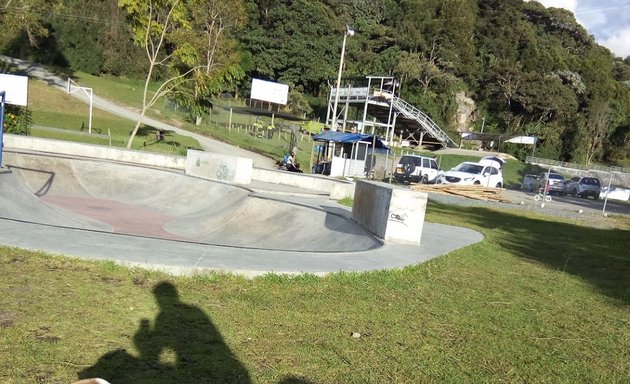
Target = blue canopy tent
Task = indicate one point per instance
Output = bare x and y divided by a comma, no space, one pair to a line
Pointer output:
355,149
349,138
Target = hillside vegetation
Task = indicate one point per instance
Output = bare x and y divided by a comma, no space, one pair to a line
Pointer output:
529,69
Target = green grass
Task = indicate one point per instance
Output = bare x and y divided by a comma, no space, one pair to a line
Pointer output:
124,91
128,92
536,301
53,108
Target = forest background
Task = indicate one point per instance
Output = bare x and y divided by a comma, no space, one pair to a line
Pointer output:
529,69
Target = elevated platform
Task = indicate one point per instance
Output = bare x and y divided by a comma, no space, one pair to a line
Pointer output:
382,108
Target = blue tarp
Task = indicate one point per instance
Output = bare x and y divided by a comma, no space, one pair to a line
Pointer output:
345,137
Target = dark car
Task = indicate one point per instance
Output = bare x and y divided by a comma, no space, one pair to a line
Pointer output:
549,182
583,186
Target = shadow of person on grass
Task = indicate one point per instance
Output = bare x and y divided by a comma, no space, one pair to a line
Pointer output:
181,346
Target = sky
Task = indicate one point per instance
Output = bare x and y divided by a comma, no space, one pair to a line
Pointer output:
608,21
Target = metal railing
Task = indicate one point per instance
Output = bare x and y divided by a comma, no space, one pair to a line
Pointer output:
564,164
411,112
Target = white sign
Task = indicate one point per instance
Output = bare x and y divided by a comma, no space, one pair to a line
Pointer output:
16,88
269,91
528,140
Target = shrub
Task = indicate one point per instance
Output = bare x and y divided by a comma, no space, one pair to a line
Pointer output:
17,120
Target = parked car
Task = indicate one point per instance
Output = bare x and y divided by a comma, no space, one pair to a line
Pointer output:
499,161
469,173
583,186
549,182
417,169
616,192
528,182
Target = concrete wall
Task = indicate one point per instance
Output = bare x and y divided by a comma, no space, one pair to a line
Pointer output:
394,214
231,169
338,189
94,151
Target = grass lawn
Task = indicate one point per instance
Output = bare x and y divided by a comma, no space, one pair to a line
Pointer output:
68,116
536,301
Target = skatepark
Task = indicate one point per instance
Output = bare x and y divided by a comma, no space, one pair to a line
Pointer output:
159,218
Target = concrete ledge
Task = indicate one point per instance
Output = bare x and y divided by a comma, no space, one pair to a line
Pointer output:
94,151
212,166
338,189
394,214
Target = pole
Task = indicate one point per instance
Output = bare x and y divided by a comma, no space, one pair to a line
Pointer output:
607,192
343,52
2,101
230,122
90,115
373,157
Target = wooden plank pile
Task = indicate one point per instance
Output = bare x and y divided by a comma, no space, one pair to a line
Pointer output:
471,191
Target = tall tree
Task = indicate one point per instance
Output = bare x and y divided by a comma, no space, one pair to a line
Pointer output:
162,28
213,27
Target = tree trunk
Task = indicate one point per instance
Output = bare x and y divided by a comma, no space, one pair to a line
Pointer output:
135,130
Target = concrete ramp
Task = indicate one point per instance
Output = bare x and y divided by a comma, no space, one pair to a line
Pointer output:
149,202
19,203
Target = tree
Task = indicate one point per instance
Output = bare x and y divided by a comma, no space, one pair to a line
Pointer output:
27,15
162,28
213,23
595,130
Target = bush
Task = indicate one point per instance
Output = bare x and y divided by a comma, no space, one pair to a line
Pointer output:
17,120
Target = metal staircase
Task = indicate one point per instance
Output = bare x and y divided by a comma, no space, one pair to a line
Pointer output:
380,101
411,112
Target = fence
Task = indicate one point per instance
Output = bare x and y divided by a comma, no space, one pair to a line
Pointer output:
619,175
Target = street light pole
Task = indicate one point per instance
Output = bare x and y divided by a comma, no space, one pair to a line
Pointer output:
349,32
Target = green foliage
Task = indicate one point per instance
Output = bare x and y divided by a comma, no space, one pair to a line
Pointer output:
17,120
528,68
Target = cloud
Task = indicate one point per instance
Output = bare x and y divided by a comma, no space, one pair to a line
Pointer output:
619,43
608,21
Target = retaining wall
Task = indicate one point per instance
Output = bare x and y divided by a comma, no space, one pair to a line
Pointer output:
338,189
94,151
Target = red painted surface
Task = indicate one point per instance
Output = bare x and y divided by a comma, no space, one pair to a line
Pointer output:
124,218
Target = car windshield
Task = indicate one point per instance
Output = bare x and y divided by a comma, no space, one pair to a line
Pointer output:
590,181
410,159
555,176
469,168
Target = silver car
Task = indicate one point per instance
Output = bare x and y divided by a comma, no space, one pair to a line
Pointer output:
583,186
548,182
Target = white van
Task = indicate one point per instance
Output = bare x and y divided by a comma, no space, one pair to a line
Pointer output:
417,169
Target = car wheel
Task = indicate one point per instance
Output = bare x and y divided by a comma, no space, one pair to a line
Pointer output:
477,182
575,193
424,180
498,185
409,168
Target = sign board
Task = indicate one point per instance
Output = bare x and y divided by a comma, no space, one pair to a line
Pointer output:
16,88
269,91
528,140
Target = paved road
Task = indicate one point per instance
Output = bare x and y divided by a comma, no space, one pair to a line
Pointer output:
569,202
208,144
